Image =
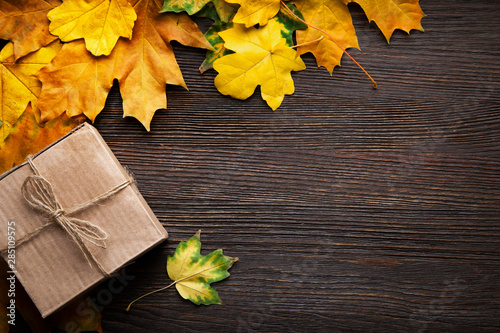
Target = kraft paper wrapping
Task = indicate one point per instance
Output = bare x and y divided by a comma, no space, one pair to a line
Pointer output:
50,265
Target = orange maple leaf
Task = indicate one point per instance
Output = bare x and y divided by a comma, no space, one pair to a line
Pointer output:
28,137
394,14
25,23
78,82
333,17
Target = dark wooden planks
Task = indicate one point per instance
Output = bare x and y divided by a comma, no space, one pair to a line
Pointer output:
351,209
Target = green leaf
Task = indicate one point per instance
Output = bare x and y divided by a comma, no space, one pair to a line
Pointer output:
193,273
189,6
290,23
224,10
212,35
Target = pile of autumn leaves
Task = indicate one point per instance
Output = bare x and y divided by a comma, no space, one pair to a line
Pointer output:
250,44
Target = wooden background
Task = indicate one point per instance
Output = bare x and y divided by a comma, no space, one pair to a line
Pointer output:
351,209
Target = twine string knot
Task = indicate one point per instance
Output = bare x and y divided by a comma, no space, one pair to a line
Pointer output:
39,194
56,213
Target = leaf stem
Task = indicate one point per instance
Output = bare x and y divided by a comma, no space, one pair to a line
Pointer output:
151,292
309,42
333,39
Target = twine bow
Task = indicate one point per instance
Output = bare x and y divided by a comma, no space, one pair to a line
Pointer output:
39,194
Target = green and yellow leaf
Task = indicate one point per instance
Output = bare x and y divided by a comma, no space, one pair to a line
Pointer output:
212,35
224,10
189,6
193,273
290,23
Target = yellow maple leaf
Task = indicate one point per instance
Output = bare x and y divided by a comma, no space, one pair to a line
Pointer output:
18,84
99,22
78,82
254,12
333,17
390,15
25,23
261,58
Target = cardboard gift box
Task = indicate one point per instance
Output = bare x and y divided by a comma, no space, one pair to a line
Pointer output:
74,217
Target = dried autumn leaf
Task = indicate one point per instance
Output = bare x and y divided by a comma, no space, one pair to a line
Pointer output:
99,22
25,23
28,137
193,273
75,82
78,82
262,58
147,62
224,10
254,12
390,15
19,86
333,17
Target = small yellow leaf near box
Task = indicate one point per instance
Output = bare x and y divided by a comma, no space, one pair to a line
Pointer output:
47,260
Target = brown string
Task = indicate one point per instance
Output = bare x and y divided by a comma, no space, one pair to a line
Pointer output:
39,194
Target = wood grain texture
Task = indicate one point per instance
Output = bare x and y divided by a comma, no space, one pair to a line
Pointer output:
351,209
